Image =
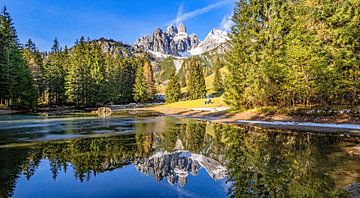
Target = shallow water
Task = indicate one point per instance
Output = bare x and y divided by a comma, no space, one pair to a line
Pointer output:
132,156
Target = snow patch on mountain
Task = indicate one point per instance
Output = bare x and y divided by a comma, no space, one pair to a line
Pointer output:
213,40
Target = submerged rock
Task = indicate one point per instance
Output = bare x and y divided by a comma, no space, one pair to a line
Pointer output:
104,112
354,189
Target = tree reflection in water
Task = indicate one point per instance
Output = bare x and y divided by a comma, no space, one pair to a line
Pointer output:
259,162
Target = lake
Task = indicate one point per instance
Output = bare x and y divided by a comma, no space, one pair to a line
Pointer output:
129,155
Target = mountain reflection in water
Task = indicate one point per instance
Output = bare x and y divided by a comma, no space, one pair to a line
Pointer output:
241,161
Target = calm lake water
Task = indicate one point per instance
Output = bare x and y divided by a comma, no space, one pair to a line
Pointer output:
156,156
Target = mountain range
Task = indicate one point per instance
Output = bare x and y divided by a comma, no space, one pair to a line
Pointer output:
176,42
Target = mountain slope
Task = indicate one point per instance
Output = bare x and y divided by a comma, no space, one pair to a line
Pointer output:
213,40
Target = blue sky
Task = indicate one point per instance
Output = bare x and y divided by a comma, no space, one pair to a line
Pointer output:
123,20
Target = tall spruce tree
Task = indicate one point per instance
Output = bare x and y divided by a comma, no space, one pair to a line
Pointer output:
140,88
126,78
218,80
17,87
34,60
173,90
3,91
149,76
196,82
97,87
77,75
55,75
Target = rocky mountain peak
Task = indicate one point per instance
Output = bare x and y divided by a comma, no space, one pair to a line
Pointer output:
181,28
174,41
213,40
171,30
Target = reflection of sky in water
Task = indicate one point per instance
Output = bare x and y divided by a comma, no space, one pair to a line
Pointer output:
114,183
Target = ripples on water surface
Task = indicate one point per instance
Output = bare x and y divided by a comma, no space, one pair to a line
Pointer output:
129,156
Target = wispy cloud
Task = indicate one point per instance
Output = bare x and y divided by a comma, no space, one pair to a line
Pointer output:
227,23
181,17
179,13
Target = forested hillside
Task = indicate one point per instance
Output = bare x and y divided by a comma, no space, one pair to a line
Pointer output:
294,53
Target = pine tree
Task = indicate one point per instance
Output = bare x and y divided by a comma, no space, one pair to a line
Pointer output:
34,60
77,75
196,83
97,90
3,91
16,83
149,77
173,90
218,81
55,75
140,88
126,80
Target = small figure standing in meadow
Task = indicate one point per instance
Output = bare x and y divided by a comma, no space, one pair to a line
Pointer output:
208,100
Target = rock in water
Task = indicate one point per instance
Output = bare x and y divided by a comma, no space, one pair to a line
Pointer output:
104,111
354,189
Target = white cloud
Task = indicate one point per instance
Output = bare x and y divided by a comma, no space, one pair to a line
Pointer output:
227,23
181,17
179,13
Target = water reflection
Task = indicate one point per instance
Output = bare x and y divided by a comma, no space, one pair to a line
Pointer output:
254,162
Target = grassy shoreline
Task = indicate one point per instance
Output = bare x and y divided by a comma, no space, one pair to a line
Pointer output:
219,112
231,117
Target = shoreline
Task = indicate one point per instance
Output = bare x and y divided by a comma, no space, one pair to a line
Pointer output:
325,124
328,124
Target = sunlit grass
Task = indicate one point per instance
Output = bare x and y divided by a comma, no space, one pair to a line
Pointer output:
200,103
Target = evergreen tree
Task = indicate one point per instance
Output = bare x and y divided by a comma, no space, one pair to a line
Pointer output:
218,81
16,83
56,46
34,60
3,84
76,79
149,77
97,89
127,75
140,88
196,82
55,75
120,73
173,90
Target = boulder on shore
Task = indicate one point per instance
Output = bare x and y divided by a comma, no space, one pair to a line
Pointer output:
104,111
